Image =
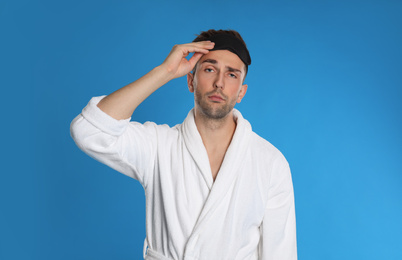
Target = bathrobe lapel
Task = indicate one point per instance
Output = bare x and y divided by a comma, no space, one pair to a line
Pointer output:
229,171
195,146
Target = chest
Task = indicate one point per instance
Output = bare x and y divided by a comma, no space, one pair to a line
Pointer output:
215,160
186,189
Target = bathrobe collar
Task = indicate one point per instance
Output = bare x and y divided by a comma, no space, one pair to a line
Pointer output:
234,153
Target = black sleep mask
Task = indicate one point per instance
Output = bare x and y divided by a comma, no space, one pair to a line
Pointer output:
231,43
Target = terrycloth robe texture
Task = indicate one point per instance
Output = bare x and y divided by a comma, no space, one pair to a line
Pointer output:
247,213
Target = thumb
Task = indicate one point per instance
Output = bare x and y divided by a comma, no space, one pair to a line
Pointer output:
196,57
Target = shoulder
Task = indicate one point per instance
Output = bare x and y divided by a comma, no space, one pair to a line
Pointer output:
262,151
273,168
263,148
271,162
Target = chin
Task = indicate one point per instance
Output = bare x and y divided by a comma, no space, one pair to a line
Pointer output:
215,113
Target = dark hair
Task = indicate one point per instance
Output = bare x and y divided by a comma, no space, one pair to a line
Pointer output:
205,35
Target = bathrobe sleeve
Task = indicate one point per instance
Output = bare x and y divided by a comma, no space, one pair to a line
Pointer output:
125,146
278,229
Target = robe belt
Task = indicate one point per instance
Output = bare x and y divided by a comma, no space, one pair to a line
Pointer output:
153,255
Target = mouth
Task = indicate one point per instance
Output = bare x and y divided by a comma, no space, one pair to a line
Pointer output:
216,98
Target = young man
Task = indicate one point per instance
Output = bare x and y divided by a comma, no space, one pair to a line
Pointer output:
214,189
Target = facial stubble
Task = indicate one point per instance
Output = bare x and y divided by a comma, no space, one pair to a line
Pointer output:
214,110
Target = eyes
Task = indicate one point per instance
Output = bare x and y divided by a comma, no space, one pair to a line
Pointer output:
229,73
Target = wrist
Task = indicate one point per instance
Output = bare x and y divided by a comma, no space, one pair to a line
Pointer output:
164,72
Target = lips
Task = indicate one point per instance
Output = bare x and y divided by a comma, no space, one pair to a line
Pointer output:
216,98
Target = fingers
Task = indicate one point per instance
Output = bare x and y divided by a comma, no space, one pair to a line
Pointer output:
176,63
201,47
202,44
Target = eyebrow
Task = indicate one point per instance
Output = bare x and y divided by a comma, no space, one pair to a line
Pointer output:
212,61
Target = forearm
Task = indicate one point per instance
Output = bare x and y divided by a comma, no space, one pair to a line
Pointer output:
122,103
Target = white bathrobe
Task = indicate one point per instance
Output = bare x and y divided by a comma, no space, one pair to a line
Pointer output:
247,213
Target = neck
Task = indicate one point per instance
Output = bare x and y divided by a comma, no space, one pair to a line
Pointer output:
215,132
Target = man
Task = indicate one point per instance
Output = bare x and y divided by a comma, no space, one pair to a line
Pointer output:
214,189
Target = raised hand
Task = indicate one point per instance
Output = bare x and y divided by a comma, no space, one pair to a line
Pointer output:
176,63
122,103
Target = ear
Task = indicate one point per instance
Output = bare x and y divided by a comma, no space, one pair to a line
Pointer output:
242,93
190,80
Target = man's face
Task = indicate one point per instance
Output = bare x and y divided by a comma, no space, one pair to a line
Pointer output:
217,83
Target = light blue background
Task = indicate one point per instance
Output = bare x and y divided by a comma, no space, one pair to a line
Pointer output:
325,87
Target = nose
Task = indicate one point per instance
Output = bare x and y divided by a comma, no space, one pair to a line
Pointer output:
219,81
